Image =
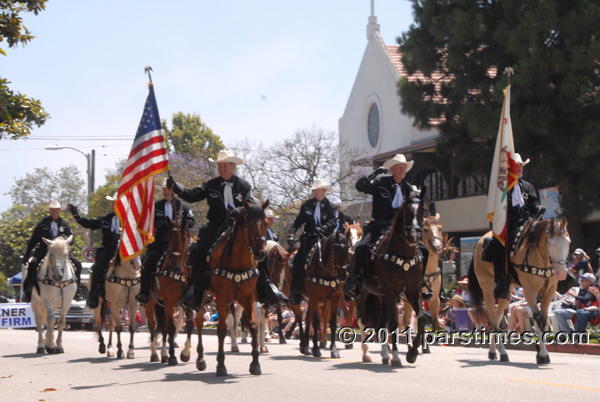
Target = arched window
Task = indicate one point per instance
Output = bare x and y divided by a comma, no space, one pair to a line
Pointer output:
373,125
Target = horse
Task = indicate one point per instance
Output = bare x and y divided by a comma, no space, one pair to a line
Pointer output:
233,276
232,323
432,237
278,258
57,286
166,292
122,283
397,270
540,261
326,270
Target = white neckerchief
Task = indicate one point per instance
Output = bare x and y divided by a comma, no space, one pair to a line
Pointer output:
318,214
169,210
228,195
517,196
337,226
398,198
54,229
115,225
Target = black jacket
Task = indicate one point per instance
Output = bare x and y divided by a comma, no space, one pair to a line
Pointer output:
160,219
306,217
342,220
212,191
104,222
382,188
43,230
518,215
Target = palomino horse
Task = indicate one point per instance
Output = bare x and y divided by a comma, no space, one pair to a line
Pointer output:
122,283
57,286
397,270
233,277
432,237
542,254
326,270
167,290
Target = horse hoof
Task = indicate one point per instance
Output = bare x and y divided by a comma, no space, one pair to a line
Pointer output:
59,350
316,352
492,356
221,371
244,340
164,359
349,346
323,345
264,349
411,357
154,358
235,349
426,350
367,359
175,345
120,354
282,341
305,351
201,364
130,355
102,349
50,351
184,358
110,353
288,335
40,350
504,358
172,361
385,361
397,363
335,354
255,369
543,359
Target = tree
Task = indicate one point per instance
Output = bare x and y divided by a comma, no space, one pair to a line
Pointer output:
18,113
190,136
460,48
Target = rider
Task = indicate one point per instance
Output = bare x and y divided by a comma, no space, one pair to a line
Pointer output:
388,193
342,219
111,232
163,209
271,234
49,228
317,216
523,204
223,194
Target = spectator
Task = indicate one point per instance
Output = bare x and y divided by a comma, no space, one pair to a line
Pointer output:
447,321
3,299
585,309
581,264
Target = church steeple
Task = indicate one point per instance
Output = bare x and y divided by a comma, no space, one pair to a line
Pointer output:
373,25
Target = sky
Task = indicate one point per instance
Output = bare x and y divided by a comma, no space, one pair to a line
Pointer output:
257,70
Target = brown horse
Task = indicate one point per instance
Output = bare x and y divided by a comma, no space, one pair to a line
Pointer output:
167,290
432,237
326,270
539,262
233,277
278,259
397,270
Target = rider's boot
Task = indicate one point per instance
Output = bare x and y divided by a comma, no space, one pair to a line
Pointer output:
143,296
268,294
27,288
353,285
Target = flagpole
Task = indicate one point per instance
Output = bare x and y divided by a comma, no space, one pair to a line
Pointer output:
508,71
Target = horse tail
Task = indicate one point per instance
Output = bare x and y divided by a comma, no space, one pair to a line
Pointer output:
159,314
376,311
475,292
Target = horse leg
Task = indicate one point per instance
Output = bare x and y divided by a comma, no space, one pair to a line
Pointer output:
189,329
347,311
200,362
316,325
169,311
221,333
413,351
392,324
111,327
263,329
153,328
280,324
98,319
39,322
232,324
540,319
335,354
251,319
133,310
50,321
303,333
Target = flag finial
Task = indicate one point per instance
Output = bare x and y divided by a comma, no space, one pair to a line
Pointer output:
147,70
508,71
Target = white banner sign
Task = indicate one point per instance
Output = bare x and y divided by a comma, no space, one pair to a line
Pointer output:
16,315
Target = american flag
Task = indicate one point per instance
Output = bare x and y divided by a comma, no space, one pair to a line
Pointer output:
135,200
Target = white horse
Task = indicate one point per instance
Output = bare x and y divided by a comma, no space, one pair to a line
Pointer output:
122,283
232,322
57,287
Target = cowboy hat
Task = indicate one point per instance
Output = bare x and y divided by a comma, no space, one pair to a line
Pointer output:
578,251
114,197
458,298
54,205
519,160
269,214
399,158
335,200
589,276
463,281
318,183
227,156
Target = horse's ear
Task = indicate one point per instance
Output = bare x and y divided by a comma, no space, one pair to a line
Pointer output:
265,204
69,239
247,204
48,242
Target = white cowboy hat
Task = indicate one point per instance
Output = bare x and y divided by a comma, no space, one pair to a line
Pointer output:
269,214
335,200
318,183
114,197
399,158
54,204
519,160
227,156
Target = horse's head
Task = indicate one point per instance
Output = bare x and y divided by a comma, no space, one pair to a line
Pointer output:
339,253
432,232
178,238
255,221
353,234
558,242
408,219
57,258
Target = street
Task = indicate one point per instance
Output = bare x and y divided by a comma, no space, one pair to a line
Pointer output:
448,373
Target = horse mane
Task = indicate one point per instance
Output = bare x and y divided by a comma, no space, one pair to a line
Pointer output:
327,249
537,230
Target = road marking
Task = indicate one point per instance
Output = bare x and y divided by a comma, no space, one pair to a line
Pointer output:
555,385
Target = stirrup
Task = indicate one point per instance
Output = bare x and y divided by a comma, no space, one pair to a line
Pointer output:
142,298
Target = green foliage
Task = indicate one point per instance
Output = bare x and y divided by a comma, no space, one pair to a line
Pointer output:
462,47
190,136
18,113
